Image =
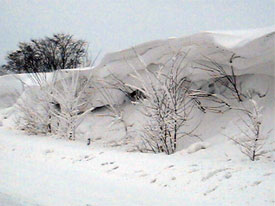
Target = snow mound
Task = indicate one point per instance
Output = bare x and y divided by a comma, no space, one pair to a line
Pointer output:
239,38
255,48
197,146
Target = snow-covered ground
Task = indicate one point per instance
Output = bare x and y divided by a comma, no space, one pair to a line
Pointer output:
37,170
49,171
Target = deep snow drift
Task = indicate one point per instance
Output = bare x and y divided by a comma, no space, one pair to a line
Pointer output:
39,170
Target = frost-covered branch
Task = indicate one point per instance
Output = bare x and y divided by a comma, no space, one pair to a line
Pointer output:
252,137
167,105
226,77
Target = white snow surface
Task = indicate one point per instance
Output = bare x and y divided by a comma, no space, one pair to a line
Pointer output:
238,38
197,146
38,170
49,171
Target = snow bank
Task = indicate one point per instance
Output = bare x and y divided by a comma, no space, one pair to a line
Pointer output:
256,49
238,38
102,176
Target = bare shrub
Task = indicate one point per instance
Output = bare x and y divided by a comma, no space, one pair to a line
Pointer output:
34,113
226,78
69,93
167,106
252,137
114,111
35,104
58,104
168,102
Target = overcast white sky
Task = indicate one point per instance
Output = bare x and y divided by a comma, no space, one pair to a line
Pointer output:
111,25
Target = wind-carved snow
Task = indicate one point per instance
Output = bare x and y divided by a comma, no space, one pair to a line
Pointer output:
41,170
256,57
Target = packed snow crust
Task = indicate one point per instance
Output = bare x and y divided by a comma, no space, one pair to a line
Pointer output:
40,170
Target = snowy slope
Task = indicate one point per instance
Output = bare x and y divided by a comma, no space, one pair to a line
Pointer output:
255,47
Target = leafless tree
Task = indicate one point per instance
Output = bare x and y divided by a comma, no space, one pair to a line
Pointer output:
33,119
35,104
252,137
168,102
61,51
57,104
70,94
167,105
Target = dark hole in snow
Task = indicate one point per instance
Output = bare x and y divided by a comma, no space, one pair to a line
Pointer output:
136,95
